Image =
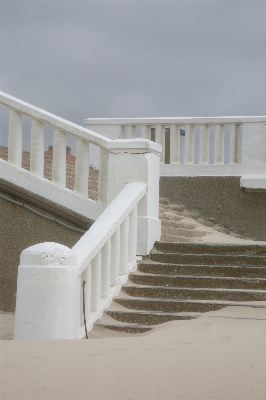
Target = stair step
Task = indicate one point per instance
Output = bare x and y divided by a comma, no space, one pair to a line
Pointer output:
182,232
191,281
209,259
177,224
209,248
194,293
172,305
212,270
126,328
149,318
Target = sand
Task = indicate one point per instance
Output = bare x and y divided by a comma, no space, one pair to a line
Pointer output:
221,355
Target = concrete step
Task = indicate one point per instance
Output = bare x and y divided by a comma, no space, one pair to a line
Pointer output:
170,216
184,306
209,259
174,238
191,281
177,224
206,270
194,293
209,248
125,328
149,318
167,230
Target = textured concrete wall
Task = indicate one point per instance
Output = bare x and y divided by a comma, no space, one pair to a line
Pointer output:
220,199
19,229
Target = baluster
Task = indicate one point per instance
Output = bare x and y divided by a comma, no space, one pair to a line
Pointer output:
124,246
160,138
105,269
115,257
204,144
85,276
103,177
234,143
189,144
175,144
96,282
219,144
146,132
131,131
59,158
15,138
132,246
82,167
37,148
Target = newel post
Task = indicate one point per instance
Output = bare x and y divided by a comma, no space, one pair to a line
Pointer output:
47,305
138,165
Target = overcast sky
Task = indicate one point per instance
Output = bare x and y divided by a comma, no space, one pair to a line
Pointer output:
80,59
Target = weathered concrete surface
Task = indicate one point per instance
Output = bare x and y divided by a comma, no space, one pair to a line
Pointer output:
19,229
220,200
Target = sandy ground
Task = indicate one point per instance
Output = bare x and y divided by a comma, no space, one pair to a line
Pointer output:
221,355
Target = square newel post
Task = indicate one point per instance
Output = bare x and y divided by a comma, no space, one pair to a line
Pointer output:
138,165
254,143
47,305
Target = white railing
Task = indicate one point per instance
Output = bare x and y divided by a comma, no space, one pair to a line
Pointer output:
100,261
56,191
126,213
200,148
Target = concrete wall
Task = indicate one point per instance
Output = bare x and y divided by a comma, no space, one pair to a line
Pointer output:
220,199
19,229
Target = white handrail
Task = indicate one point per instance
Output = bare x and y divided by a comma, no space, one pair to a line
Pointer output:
73,129
107,223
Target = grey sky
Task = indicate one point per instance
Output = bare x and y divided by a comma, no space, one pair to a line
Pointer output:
80,59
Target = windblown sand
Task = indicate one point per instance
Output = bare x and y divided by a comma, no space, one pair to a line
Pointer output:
221,355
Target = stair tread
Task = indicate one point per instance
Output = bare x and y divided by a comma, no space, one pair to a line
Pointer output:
138,273
195,289
183,314
222,302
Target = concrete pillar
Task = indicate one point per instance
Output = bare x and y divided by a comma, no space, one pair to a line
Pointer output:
96,282
15,138
124,235
105,269
219,144
115,257
47,305
82,168
37,148
160,138
204,144
175,144
59,158
132,246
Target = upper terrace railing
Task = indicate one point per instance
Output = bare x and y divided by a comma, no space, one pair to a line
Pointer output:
51,276
203,142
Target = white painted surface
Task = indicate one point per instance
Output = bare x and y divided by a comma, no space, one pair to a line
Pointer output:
50,191
212,170
254,143
37,148
253,183
47,305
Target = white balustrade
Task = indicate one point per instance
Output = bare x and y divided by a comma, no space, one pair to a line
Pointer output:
15,138
59,158
81,167
37,148
131,131
115,257
204,144
219,144
105,269
160,139
189,144
96,282
175,144
124,234
234,144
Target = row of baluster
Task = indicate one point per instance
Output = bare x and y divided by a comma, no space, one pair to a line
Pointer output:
186,137
109,265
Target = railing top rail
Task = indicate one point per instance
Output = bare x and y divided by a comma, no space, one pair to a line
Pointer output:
74,129
107,223
175,120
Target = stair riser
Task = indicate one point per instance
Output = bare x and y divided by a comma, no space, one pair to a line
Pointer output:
153,280
148,319
195,248
168,306
237,272
209,259
188,294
